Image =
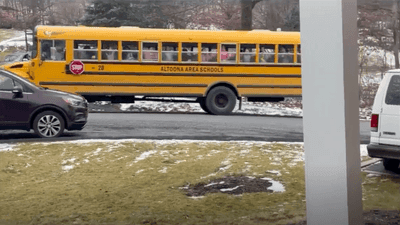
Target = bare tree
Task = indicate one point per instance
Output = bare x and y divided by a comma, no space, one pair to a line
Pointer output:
181,13
272,14
67,12
29,13
247,13
223,14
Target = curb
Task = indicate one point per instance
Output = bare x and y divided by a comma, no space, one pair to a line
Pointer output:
369,162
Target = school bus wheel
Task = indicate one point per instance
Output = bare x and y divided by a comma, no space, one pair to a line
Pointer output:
220,100
202,102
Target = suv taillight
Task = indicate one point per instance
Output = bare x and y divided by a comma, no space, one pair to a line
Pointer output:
374,122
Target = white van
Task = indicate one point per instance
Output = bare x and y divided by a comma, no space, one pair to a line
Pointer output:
385,122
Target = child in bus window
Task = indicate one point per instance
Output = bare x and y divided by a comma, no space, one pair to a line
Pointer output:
247,56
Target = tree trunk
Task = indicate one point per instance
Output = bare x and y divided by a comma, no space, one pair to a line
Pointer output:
383,67
247,15
395,33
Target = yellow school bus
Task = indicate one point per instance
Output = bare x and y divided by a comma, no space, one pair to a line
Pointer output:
117,64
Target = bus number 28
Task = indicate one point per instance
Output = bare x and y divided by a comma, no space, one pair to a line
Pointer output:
101,67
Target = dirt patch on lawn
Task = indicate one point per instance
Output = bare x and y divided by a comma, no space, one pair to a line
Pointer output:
234,185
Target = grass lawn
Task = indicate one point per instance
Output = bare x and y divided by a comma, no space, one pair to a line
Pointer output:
144,182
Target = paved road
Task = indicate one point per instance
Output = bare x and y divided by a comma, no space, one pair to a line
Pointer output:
197,126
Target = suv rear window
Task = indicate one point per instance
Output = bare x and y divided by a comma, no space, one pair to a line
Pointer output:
393,91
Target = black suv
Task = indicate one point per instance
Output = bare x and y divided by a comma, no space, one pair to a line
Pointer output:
23,105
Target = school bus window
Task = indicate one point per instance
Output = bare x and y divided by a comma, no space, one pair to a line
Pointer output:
109,50
208,53
169,52
286,54
130,50
247,53
85,50
267,53
53,50
228,53
298,54
150,52
189,52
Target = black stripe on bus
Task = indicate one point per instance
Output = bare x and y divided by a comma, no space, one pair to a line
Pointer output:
267,86
194,64
176,95
122,84
133,94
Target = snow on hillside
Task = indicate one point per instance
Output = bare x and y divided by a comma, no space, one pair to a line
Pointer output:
18,41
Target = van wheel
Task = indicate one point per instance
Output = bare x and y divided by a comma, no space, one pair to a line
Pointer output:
202,102
391,164
220,101
48,124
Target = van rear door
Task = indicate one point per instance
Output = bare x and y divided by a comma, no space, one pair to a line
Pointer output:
389,118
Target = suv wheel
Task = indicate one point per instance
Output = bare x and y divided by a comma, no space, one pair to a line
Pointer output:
48,124
391,164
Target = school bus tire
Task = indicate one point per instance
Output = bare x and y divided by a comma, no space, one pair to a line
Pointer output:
202,102
220,100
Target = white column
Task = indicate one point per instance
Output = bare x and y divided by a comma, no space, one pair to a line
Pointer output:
330,104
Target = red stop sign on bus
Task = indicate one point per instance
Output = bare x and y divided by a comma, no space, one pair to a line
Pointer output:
76,67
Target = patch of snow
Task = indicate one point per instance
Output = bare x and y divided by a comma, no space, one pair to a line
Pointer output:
196,197
230,189
144,155
224,168
97,151
164,152
67,168
247,108
125,107
274,172
373,175
85,161
299,156
363,150
164,170
276,186
71,160
209,175
139,171
244,152
16,41
210,184
6,147
163,142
